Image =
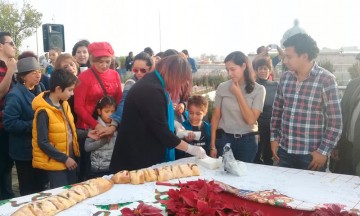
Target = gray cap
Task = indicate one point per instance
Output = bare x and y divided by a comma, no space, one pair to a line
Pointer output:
27,64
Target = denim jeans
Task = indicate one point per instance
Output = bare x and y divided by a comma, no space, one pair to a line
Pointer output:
296,161
243,148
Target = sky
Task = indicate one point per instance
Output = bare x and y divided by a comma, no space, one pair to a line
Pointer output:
200,26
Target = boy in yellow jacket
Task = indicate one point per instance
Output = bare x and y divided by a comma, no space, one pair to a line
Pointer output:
54,138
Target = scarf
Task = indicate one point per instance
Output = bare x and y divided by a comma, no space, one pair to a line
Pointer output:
169,152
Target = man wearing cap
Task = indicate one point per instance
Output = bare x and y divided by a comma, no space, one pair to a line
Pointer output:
94,83
17,120
7,69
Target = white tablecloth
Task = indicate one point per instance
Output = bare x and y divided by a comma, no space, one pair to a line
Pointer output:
308,188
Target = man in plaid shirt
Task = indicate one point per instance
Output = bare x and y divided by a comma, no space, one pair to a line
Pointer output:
306,121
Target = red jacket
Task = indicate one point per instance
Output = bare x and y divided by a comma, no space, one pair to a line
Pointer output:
89,92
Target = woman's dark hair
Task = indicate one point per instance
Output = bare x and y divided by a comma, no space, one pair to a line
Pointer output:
149,51
303,43
104,102
170,52
63,78
26,54
160,54
240,58
82,43
145,57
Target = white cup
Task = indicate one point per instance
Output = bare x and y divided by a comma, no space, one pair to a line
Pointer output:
83,68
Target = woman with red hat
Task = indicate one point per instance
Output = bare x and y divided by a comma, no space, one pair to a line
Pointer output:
97,81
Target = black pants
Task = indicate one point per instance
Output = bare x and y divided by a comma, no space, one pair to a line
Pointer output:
264,154
61,178
31,180
84,164
6,164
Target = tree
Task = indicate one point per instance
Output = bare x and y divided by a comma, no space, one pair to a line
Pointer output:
327,65
20,23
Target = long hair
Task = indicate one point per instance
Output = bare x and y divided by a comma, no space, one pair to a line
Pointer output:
177,76
240,58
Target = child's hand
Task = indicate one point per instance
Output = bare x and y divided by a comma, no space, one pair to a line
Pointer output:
93,134
70,164
190,137
179,108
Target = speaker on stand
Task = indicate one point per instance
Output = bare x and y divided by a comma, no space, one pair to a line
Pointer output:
53,36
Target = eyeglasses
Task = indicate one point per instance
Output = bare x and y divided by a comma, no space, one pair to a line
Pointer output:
142,70
11,43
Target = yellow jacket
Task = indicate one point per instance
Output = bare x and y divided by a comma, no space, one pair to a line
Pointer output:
58,136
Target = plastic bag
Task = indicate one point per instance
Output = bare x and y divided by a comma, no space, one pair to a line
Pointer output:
232,165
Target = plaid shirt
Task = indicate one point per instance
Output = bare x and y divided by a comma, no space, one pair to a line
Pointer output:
307,115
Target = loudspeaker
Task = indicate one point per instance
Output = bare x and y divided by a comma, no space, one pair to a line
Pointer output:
53,36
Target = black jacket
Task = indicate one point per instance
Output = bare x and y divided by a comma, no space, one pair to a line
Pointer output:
348,152
143,134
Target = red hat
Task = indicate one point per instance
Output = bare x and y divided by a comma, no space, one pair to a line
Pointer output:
99,49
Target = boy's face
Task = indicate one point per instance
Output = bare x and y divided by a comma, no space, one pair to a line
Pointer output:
67,93
196,115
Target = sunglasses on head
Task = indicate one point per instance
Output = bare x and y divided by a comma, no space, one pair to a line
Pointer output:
142,70
11,43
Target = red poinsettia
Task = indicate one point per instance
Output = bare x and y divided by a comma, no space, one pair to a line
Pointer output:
332,210
201,198
142,210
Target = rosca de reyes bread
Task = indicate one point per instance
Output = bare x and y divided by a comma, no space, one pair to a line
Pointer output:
157,174
64,200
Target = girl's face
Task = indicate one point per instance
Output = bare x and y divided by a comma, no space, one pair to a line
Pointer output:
69,65
53,55
106,112
82,55
102,64
236,72
140,68
263,72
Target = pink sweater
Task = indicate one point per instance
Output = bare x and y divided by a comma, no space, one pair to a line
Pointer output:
89,92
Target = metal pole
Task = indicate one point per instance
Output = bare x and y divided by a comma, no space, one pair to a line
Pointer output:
160,30
37,43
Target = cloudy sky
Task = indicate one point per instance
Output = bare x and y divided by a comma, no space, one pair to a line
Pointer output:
201,26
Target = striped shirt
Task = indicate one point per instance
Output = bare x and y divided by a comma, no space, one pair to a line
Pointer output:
3,70
307,115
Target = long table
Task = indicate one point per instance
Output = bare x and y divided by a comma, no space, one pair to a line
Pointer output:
301,189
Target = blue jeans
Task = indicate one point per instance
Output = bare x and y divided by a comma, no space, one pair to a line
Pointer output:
243,148
296,161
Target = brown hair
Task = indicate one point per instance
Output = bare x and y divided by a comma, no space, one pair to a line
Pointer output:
63,57
177,76
263,62
198,101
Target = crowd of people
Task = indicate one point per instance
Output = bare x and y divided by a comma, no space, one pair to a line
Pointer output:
70,119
